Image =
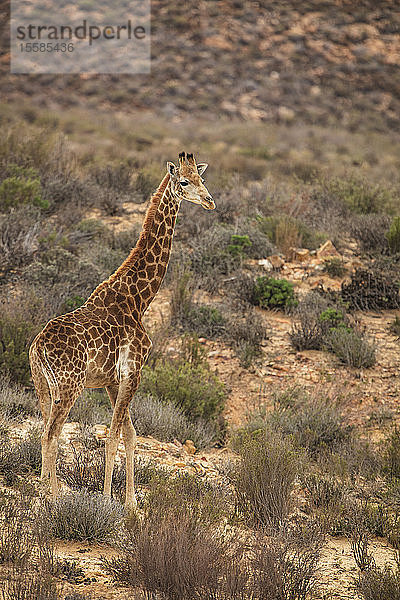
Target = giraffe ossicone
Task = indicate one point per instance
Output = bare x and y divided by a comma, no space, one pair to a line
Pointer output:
103,343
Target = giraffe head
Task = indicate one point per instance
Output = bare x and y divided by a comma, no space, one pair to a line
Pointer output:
187,183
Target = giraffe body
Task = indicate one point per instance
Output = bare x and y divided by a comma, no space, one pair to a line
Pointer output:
103,343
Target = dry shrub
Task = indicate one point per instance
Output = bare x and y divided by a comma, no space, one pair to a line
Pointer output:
246,336
264,479
287,236
83,516
351,347
373,288
286,566
369,232
171,555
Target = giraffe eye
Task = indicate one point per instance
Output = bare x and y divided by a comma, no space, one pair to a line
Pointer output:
184,183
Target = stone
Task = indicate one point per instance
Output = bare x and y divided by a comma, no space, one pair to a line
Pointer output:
266,264
327,249
299,254
190,447
276,261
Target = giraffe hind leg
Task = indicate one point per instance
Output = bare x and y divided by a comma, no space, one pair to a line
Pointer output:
58,415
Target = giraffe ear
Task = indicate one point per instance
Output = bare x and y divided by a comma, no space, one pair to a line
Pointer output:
201,167
171,168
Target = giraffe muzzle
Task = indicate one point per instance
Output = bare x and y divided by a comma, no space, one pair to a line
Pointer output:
208,203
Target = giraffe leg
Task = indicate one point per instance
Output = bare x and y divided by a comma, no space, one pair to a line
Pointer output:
129,437
52,431
121,421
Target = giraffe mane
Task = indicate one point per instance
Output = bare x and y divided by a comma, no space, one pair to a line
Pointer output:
141,243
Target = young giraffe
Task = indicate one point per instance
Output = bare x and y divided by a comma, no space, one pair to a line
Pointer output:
103,343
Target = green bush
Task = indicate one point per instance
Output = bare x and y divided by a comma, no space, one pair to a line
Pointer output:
238,244
15,338
333,318
189,386
274,293
22,186
393,236
358,195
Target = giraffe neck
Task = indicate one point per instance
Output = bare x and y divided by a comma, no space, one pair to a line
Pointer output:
148,272
144,270
135,283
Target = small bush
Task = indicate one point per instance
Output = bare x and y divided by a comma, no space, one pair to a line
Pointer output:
391,454
274,293
171,555
16,335
308,329
264,479
22,186
393,236
211,260
83,516
313,423
286,233
378,583
351,347
166,422
16,402
245,336
202,320
16,540
395,326
188,384
22,457
19,231
370,232
334,267
238,244
286,566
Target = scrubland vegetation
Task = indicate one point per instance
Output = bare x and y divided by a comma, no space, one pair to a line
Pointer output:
299,472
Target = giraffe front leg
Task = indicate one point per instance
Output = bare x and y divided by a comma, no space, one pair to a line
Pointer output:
129,436
121,421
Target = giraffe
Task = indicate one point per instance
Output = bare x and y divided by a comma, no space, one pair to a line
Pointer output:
104,343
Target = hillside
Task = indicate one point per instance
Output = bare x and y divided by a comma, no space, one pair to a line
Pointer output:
315,62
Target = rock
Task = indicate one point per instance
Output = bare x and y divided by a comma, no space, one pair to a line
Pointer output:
299,254
327,249
265,263
190,447
286,114
276,261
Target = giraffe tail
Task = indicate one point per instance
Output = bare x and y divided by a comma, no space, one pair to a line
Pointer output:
39,351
